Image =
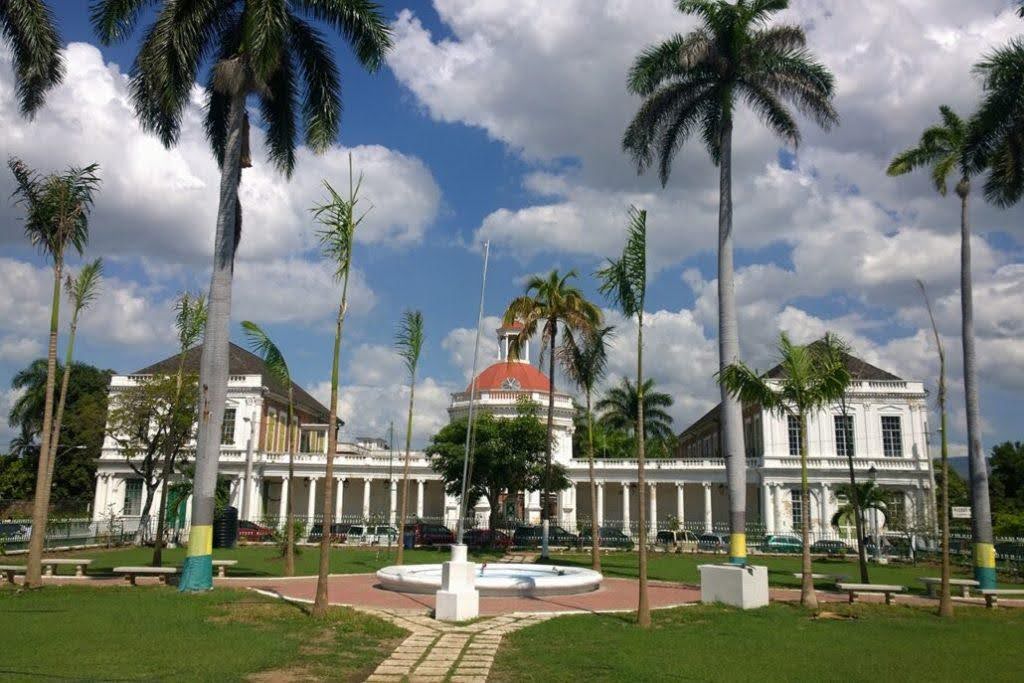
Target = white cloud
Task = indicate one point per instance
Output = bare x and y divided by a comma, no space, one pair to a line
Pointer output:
459,344
17,349
295,290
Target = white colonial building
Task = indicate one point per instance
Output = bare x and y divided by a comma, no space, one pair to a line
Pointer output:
884,425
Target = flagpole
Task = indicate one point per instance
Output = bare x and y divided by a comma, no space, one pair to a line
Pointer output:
472,400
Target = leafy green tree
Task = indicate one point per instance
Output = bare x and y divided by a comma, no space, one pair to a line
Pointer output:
261,344
693,84
28,28
620,407
1007,463
56,218
608,442
16,478
584,363
409,344
814,376
267,50
549,303
959,492
869,495
943,150
624,282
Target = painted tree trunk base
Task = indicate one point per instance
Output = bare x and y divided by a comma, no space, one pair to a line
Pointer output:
985,565
197,572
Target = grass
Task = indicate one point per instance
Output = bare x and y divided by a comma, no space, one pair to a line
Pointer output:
153,633
781,642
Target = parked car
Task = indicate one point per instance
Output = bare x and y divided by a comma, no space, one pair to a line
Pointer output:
782,543
830,547
611,537
679,541
432,534
487,538
253,532
337,532
530,537
382,534
715,543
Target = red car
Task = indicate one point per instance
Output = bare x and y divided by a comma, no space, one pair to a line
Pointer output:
487,538
253,532
433,534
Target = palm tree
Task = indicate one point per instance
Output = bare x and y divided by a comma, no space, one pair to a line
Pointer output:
337,237
549,303
861,499
995,139
858,519
815,376
409,344
584,364
624,282
82,291
261,48
29,29
262,346
56,218
692,83
944,149
620,407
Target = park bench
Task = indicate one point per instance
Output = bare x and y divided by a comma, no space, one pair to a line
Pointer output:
222,566
11,570
131,573
80,565
992,594
830,578
965,584
888,589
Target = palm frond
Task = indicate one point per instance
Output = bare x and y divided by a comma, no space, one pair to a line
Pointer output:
114,20
189,318
771,111
361,22
321,105
338,217
278,109
84,289
748,386
265,25
261,345
585,362
30,29
409,340
624,280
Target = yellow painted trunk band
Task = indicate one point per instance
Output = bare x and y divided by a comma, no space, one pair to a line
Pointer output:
737,545
200,540
985,555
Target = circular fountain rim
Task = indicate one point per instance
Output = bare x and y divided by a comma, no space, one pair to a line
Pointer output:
543,579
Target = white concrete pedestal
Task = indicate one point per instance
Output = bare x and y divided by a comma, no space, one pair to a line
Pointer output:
739,586
458,599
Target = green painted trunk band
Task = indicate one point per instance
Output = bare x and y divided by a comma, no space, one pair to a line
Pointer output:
196,574
985,576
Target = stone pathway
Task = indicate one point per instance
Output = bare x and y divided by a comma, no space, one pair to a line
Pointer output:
519,558
437,651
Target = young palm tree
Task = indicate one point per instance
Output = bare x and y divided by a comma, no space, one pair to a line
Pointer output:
869,496
858,518
262,346
409,344
943,150
815,376
56,218
29,29
692,84
261,48
620,407
624,282
337,237
190,320
585,364
549,303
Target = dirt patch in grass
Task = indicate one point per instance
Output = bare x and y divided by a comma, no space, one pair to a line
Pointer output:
256,612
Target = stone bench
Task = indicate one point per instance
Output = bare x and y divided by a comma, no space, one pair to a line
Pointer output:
11,570
222,566
992,594
131,573
50,565
831,578
965,584
888,589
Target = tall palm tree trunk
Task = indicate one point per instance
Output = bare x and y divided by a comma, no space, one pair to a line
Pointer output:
945,601
61,401
197,573
643,609
545,516
400,554
729,353
595,555
808,598
41,505
858,521
981,514
289,532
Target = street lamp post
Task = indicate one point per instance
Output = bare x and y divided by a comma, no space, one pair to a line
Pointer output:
247,480
873,475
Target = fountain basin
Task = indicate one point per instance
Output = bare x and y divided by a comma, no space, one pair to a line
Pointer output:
496,579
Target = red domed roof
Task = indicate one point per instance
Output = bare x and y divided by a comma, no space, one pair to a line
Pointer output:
505,376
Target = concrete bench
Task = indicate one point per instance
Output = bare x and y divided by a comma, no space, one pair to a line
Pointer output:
50,565
831,578
222,566
11,570
131,573
888,589
931,582
992,594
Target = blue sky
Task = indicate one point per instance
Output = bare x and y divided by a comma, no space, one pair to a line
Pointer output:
500,120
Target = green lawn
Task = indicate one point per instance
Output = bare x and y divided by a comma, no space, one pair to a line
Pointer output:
153,633
781,642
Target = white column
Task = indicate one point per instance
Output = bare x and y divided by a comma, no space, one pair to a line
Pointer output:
339,499
188,510
393,510
779,499
767,509
625,507
533,507
824,509
653,524
256,500
366,499
680,506
419,498
98,500
311,502
451,510
599,511
283,512
708,525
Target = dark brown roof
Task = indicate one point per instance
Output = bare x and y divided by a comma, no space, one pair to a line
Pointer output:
859,369
241,362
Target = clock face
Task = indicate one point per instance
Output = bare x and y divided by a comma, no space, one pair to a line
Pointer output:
511,384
